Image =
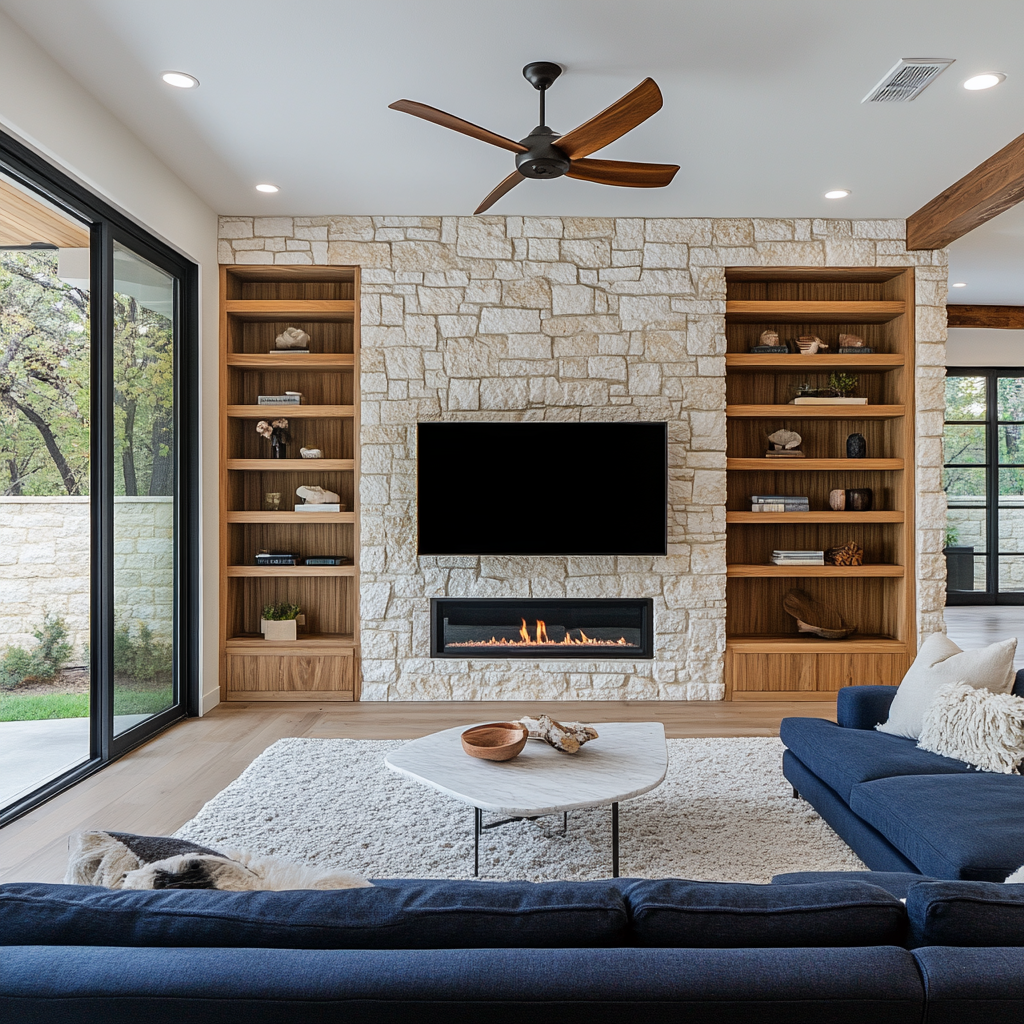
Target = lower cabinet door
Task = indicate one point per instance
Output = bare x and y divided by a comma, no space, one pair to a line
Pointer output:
290,675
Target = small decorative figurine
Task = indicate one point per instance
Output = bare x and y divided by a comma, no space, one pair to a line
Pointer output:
810,344
851,553
856,446
316,495
784,444
276,432
292,338
851,341
769,342
311,453
837,500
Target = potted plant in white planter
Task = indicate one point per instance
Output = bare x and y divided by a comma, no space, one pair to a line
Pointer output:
281,621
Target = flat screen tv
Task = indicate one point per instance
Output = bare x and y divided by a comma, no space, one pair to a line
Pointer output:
542,488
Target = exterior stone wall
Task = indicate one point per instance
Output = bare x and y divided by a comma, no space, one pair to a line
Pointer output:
576,318
44,565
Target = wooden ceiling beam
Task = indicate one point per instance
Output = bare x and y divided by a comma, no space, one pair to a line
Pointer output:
987,191
1004,318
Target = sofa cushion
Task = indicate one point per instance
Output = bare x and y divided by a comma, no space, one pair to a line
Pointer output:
940,661
966,914
972,986
949,826
842,758
391,915
897,883
679,913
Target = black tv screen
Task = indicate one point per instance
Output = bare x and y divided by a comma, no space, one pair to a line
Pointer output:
542,488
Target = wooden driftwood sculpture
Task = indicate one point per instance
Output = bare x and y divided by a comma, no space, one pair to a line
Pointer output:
814,617
568,737
850,553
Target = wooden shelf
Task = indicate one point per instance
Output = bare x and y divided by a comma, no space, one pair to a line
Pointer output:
253,571
330,310
297,465
294,412
815,275
752,571
807,643
790,362
750,311
814,412
254,642
812,465
292,361
766,518
290,517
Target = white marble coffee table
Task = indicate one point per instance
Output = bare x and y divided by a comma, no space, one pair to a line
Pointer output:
626,760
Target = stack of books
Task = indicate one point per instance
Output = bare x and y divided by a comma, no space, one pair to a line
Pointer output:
275,558
798,558
328,560
779,503
288,398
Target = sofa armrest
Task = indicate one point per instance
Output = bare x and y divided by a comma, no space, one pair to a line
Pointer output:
863,707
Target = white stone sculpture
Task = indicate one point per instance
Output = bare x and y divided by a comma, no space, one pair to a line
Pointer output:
292,337
311,453
317,496
785,439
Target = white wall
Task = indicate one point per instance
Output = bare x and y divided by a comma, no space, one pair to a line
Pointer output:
49,111
980,346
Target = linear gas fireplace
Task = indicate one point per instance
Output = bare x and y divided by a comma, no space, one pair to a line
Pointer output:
593,628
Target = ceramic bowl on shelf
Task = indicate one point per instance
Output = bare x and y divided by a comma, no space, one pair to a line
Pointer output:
497,741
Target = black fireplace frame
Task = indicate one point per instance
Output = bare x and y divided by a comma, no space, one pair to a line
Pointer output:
645,605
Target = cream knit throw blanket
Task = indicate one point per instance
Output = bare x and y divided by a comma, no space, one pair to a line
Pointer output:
983,728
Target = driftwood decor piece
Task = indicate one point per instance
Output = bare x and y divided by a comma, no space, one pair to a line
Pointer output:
567,737
850,553
810,344
784,444
814,617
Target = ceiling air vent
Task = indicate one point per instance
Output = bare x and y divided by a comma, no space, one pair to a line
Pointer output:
908,79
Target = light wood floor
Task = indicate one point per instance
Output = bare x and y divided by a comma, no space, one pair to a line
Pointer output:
161,785
970,627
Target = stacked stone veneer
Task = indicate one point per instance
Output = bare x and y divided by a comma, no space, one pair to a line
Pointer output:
44,565
574,318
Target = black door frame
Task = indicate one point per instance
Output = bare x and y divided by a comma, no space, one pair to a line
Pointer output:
108,225
991,595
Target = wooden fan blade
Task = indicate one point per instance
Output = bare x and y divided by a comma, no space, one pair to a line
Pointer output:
623,172
612,123
506,186
456,124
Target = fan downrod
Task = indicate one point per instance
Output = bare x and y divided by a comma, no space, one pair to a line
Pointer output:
542,159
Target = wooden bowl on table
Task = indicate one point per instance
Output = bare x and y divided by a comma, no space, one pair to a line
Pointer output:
497,741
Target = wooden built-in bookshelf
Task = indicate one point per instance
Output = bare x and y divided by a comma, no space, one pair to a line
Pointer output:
766,657
257,304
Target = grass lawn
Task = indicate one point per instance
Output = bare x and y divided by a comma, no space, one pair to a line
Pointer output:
127,701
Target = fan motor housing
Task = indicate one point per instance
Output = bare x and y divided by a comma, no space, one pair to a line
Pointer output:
542,159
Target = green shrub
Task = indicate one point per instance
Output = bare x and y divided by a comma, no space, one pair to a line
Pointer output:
137,654
43,662
952,535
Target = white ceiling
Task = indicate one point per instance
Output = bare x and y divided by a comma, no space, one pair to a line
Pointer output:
762,102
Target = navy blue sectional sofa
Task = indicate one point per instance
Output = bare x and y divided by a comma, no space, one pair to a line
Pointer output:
832,951
899,808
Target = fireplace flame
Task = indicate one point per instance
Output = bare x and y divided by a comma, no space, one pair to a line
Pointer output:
541,639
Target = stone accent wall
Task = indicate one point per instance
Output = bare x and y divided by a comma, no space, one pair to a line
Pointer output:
44,565
575,318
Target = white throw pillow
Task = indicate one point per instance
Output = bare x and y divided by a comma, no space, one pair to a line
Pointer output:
1017,876
984,729
939,662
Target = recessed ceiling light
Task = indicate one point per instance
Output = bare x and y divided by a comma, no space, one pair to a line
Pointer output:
985,81
837,193
267,188
180,80
960,284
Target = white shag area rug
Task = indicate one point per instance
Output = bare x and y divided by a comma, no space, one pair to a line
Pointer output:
724,813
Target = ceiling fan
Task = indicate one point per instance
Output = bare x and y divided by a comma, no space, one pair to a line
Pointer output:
546,154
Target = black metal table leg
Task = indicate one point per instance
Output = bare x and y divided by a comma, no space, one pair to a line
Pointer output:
477,820
615,840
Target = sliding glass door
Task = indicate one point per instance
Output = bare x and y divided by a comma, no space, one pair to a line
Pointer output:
98,497
983,477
